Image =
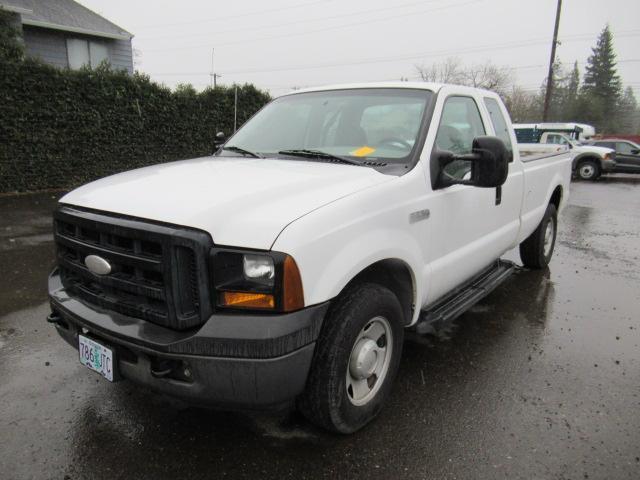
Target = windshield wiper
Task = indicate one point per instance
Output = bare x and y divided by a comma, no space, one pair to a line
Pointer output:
243,151
306,153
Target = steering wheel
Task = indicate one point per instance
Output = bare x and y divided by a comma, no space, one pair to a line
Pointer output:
395,141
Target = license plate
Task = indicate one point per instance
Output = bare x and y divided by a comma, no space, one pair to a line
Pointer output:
97,357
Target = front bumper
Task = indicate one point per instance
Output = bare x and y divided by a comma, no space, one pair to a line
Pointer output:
608,165
233,360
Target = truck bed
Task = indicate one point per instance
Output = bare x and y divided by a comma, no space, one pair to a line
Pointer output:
530,152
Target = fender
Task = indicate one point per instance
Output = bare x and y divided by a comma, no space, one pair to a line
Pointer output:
584,156
332,245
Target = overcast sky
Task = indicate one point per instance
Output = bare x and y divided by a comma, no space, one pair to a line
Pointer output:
280,44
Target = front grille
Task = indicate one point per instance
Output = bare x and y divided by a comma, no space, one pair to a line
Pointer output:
158,273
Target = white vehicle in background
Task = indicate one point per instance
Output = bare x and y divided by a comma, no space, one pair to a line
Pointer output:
588,161
286,267
530,132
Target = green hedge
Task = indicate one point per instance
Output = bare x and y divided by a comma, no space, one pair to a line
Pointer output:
62,128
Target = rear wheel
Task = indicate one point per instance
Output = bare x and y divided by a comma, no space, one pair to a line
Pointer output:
588,170
356,359
536,251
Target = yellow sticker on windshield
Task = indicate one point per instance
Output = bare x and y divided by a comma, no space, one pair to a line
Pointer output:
363,151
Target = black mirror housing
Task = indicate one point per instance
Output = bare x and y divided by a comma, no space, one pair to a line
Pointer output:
219,140
489,164
491,168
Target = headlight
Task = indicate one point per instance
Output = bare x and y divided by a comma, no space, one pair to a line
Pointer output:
259,268
256,281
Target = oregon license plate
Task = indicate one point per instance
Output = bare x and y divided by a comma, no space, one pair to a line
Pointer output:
97,357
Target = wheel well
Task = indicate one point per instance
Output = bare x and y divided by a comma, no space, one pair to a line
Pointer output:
396,276
556,197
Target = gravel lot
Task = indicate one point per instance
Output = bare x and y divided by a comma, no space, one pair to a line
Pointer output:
540,380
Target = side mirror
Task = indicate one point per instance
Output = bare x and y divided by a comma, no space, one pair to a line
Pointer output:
219,140
489,164
635,151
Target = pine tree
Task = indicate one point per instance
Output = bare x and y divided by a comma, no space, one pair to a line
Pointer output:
602,84
629,113
571,93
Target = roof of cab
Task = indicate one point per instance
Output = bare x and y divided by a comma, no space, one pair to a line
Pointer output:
351,86
434,87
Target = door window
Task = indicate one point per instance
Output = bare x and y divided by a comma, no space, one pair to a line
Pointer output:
459,125
624,148
499,124
557,139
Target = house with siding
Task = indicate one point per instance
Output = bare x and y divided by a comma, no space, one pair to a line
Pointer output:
66,34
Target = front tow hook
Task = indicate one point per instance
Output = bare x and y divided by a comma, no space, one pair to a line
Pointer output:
55,318
163,368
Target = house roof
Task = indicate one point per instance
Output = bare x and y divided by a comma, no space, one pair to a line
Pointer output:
65,15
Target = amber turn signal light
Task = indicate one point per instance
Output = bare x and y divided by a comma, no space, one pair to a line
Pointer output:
292,294
248,300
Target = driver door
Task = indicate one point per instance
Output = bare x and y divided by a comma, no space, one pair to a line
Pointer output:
471,226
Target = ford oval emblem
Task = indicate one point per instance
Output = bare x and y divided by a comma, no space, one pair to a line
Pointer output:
97,265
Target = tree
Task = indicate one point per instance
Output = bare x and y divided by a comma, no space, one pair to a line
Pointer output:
564,98
11,47
558,94
572,90
602,83
629,113
448,71
488,76
523,106
485,75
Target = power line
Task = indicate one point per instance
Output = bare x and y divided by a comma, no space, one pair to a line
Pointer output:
325,29
295,22
397,58
240,15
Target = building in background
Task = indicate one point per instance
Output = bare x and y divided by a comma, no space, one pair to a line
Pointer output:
66,34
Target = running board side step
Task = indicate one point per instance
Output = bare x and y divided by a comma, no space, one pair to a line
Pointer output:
465,297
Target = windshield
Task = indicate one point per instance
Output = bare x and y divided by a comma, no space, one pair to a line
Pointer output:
359,123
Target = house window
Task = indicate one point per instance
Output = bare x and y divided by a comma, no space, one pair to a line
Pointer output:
82,52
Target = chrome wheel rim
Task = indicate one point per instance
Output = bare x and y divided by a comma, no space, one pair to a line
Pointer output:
369,361
548,237
587,171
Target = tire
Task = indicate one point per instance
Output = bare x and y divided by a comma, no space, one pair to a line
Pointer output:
536,251
588,170
330,400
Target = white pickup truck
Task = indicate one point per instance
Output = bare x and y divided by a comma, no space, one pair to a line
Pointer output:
287,266
588,161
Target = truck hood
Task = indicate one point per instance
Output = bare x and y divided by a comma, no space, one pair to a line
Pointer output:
243,202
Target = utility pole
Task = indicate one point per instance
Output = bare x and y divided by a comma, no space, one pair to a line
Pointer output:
552,60
235,110
214,76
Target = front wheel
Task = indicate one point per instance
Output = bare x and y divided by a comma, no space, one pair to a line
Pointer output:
588,170
536,251
356,360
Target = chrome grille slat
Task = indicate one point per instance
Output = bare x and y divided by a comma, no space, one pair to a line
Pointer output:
109,254
114,281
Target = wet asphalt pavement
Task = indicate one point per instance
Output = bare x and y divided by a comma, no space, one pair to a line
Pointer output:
540,380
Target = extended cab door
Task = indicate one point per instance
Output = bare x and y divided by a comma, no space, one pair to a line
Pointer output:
471,226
